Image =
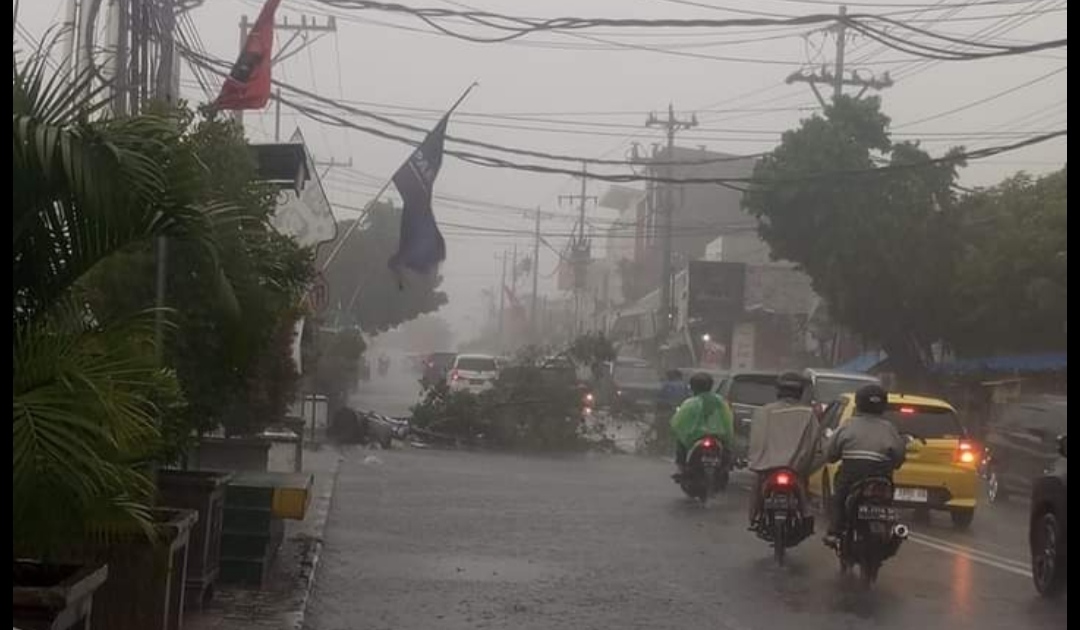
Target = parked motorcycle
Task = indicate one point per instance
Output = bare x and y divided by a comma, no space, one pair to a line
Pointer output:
706,471
872,532
782,522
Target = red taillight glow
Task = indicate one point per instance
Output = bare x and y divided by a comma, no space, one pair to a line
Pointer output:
907,410
782,479
965,453
708,443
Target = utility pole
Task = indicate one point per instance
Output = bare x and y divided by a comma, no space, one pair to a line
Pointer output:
839,76
580,251
513,272
300,35
535,276
671,126
841,44
502,300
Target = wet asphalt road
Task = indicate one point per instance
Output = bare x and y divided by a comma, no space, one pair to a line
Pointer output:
444,539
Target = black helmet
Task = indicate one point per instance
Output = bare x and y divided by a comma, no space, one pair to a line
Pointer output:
871,399
701,383
790,385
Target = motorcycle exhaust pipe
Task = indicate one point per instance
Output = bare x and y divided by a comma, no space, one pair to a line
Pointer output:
900,531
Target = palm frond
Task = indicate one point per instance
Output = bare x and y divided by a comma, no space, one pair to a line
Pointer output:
81,412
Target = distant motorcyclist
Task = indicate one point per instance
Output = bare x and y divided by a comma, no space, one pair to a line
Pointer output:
868,445
672,393
703,413
783,434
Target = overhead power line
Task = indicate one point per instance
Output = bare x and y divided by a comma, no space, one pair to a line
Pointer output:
496,162
986,99
493,162
514,27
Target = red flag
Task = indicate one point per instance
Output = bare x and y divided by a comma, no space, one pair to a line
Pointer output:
248,83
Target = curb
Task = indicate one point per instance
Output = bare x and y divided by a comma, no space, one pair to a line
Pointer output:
323,503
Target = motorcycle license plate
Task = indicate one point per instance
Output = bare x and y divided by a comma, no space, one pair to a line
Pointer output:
910,495
710,460
779,502
877,513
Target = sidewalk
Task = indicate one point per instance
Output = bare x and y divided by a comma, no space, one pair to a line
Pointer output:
283,603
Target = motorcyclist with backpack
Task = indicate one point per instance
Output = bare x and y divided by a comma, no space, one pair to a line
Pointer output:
867,445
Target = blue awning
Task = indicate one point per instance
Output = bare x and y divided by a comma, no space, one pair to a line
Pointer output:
1023,363
862,363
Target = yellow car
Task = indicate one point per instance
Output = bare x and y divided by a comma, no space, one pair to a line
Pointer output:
940,471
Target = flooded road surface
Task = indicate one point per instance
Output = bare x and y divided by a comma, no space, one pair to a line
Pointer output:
432,539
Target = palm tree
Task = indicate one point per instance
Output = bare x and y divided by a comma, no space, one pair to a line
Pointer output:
85,187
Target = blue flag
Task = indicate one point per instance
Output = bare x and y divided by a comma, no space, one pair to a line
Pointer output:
421,246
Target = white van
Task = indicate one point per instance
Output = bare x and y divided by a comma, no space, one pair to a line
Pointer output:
473,372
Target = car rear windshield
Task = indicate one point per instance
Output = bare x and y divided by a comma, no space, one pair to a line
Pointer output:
635,374
827,389
925,422
752,390
442,359
476,364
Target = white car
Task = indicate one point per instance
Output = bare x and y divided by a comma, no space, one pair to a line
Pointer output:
473,372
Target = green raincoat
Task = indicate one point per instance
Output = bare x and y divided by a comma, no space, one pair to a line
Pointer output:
701,415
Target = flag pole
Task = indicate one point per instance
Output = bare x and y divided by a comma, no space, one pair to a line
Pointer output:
352,228
461,98
379,194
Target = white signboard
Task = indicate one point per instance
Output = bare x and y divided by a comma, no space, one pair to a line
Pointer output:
742,346
306,217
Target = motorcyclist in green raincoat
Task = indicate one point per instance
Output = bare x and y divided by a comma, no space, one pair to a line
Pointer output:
704,413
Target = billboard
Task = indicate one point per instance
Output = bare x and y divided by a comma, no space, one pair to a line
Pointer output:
715,290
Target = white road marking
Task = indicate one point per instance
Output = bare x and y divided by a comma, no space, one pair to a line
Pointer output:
1009,565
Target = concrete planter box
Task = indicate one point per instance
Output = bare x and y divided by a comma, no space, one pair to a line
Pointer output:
204,492
54,597
145,589
220,453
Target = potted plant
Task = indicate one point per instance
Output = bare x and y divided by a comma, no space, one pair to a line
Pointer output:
84,188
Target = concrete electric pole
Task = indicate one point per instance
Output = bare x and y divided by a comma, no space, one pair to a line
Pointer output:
839,75
671,126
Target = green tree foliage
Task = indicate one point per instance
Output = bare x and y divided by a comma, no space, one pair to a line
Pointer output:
363,289
336,356
86,384
231,349
1011,286
879,247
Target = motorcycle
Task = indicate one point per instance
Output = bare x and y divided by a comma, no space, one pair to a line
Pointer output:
384,366
706,472
781,522
873,532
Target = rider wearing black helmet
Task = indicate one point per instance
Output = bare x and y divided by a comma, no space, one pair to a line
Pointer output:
868,445
783,434
703,413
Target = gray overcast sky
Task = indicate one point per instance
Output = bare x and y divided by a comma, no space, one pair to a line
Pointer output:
601,91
